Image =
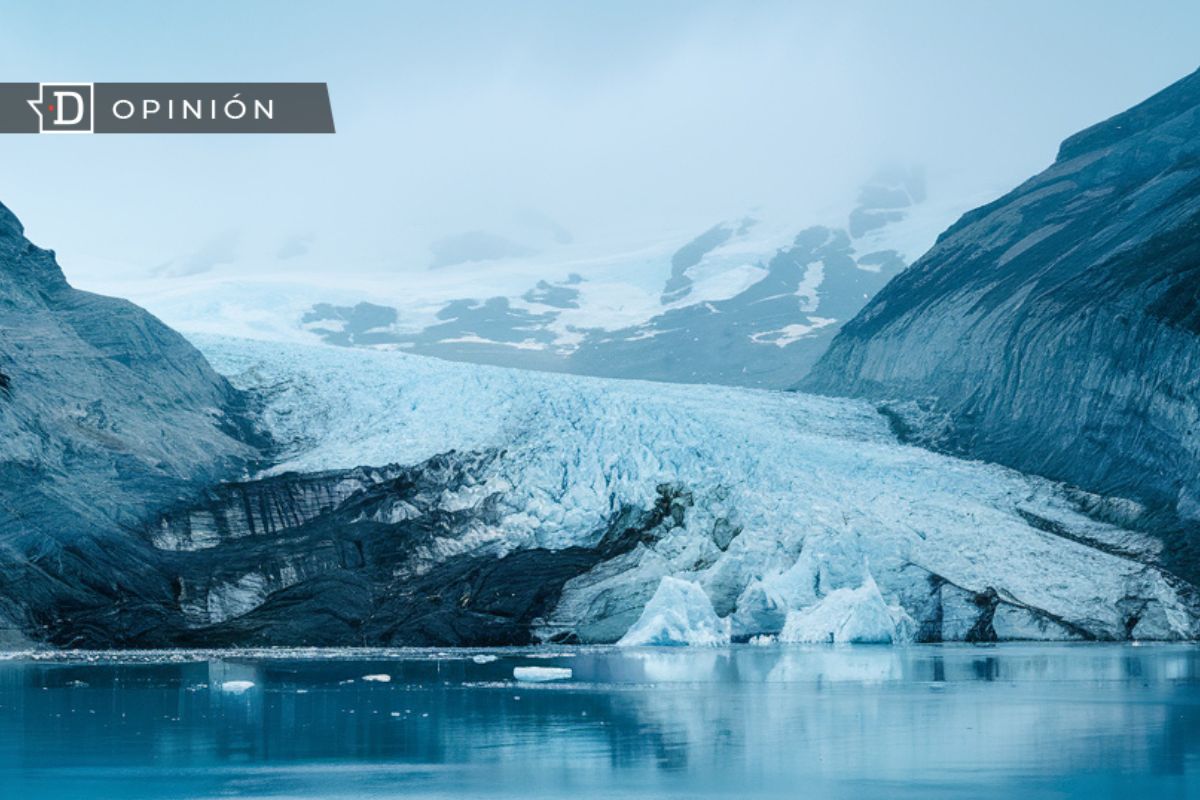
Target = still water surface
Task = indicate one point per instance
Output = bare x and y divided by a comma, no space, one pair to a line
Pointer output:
1010,721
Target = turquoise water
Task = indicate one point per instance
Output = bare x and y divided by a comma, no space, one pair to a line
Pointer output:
1009,721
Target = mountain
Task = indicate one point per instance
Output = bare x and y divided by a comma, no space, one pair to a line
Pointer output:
1057,329
322,495
767,335
332,496
742,303
105,413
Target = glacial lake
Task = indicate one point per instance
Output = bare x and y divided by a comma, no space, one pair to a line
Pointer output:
1010,721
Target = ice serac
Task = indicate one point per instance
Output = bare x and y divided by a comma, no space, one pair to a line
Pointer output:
679,613
105,414
1057,329
850,616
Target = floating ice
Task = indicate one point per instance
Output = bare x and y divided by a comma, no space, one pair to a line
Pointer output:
482,659
378,678
850,615
541,674
679,613
237,687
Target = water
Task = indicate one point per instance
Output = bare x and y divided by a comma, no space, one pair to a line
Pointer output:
930,721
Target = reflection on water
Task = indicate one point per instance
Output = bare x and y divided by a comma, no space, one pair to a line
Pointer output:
1011,721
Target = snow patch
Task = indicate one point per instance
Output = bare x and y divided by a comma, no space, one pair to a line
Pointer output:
788,334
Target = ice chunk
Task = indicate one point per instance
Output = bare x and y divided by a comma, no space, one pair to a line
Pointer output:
378,678
679,613
542,674
482,659
850,615
828,562
237,687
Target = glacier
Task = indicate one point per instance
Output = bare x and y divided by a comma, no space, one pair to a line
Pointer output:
789,513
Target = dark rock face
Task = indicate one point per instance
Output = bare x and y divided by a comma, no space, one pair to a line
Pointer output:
350,325
739,340
555,295
1057,329
885,199
105,414
367,557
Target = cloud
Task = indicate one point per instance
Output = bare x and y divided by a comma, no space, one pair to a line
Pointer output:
475,246
221,249
293,247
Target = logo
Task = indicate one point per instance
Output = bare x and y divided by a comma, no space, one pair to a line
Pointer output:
188,108
64,107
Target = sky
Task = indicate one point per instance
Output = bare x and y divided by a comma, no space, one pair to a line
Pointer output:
613,122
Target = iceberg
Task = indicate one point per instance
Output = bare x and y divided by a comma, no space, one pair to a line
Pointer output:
679,613
542,674
237,687
844,616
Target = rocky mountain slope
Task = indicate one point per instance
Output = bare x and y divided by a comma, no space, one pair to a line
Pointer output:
1057,329
750,301
105,413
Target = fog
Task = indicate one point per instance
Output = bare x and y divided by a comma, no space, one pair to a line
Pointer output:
603,124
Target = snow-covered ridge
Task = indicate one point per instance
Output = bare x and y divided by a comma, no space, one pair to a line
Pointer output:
801,505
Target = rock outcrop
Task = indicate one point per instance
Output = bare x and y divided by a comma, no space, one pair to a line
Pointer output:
105,415
1057,329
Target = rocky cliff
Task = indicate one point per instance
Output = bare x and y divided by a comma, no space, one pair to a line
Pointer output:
105,415
1057,329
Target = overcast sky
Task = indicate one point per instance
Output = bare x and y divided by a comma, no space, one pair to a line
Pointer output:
615,120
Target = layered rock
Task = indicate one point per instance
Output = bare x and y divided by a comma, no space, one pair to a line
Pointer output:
392,556
1057,329
105,415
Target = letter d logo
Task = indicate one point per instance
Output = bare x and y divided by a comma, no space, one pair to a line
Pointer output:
64,107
